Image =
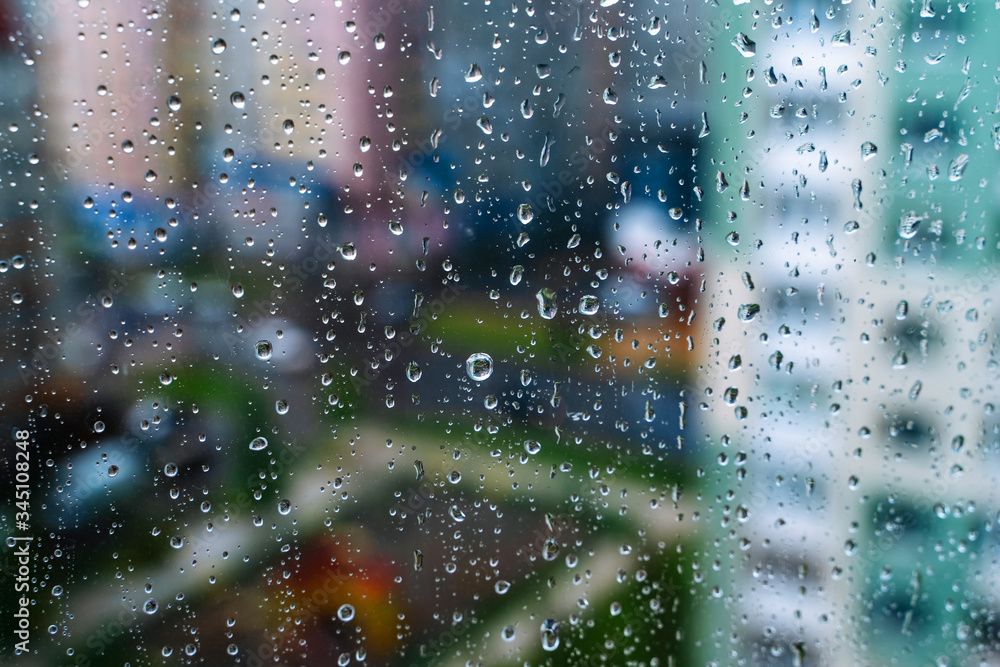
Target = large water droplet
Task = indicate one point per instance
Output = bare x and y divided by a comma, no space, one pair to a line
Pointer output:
258,444
589,304
547,307
345,613
479,366
746,46
474,74
263,350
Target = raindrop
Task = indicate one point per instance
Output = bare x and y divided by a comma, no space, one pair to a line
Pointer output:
263,350
479,366
516,274
746,46
174,103
525,214
413,371
547,307
284,507
748,311
258,444
237,100
909,225
589,304
219,46
957,167
281,406
550,628
345,613
150,606
474,74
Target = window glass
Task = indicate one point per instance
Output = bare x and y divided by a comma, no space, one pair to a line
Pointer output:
427,332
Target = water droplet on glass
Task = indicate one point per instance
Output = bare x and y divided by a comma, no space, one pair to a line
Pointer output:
166,378
150,606
550,631
344,57
748,311
525,214
219,46
957,167
174,103
112,471
281,406
284,507
479,366
474,74
237,290
746,46
345,613
589,304
547,307
288,126
413,371
258,444
263,350
909,225
237,100
516,274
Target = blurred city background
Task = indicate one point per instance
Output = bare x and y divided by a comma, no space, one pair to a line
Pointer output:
390,332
